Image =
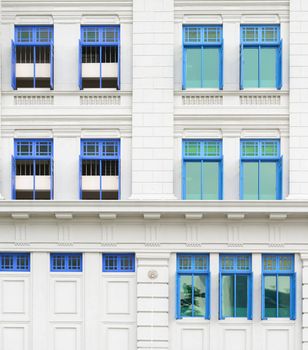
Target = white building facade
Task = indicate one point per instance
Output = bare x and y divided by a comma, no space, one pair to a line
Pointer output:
154,175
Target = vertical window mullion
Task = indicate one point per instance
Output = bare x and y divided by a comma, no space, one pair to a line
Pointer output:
100,67
202,67
100,178
193,295
259,65
202,178
34,173
234,294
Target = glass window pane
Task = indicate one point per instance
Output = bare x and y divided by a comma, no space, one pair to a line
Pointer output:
268,67
227,302
268,180
193,68
270,301
284,291
250,180
192,148
250,68
193,180
241,296
210,180
186,295
199,295
211,68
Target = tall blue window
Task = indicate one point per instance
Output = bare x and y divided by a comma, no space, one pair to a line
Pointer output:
123,262
278,286
202,169
66,262
100,169
260,57
33,57
193,286
14,262
261,170
99,57
32,169
202,57
235,285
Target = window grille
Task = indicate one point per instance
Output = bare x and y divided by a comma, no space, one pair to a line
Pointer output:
119,262
66,262
14,262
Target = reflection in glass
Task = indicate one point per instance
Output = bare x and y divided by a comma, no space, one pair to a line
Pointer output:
186,295
199,295
241,295
270,288
227,302
284,290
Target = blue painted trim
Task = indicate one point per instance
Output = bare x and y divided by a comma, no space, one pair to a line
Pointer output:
193,272
66,257
34,30
118,257
15,257
13,65
80,65
52,66
278,272
259,44
203,44
236,272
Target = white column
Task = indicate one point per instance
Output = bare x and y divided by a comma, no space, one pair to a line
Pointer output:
152,109
304,258
152,301
40,299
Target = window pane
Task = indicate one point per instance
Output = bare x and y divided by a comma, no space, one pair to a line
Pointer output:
210,180
199,295
270,301
284,290
193,180
227,302
193,68
241,296
186,295
268,67
250,68
268,180
250,180
211,68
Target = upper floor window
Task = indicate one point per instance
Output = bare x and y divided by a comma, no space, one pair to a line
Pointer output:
100,169
235,284
14,262
99,57
278,286
32,169
261,170
66,262
193,286
32,57
202,169
202,56
122,262
260,57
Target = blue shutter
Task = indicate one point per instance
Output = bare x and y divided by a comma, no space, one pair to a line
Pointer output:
119,68
279,179
242,67
51,66
13,66
279,67
221,181
241,180
220,297
293,297
184,68
208,306
13,178
262,299
250,297
80,66
221,66
51,178
80,177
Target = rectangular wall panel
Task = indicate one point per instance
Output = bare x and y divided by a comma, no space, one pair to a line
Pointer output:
277,339
192,339
235,339
66,338
13,338
117,338
13,296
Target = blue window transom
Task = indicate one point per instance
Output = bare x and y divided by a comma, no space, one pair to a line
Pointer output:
33,148
119,262
100,148
100,34
33,34
14,262
66,262
269,34
260,148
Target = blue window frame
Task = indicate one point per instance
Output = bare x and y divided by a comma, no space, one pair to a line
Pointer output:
99,169
123,262
15,262
260,57
202,170
99,57
193,286
235,286
278,286
32,64
202,56
260,170
32,169
66,262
